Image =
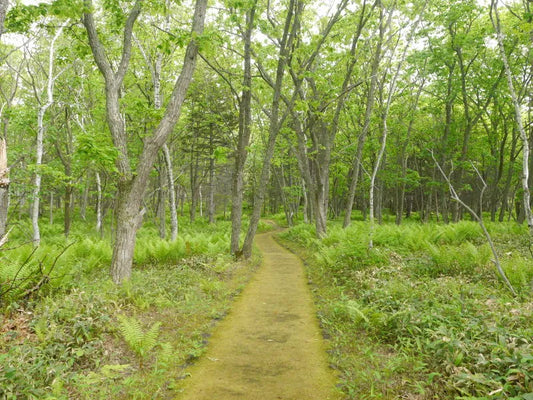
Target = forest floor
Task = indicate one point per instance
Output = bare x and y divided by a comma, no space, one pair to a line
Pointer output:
270,345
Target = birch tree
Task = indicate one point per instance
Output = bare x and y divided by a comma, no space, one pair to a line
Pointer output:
495,18
4,171
44,104
285,47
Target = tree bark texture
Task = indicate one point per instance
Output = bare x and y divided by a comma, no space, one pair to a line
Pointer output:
131,187
4,4
245,120
4,188
40,137
518,118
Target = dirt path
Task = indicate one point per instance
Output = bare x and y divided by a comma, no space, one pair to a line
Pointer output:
269,347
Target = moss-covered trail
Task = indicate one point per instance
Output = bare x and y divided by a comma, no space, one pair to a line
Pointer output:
269,346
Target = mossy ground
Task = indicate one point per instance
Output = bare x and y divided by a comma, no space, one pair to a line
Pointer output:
270,346
64,342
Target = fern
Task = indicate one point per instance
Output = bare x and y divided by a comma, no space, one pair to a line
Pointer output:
165,356
139,341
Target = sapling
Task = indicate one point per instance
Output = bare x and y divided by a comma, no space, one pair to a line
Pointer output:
478,218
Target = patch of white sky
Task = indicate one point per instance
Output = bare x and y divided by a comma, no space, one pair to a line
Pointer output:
17,39
319,9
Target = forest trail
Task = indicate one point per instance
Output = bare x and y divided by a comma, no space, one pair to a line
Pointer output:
269,346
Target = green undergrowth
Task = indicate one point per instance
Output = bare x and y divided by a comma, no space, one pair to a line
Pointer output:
79,336
422,314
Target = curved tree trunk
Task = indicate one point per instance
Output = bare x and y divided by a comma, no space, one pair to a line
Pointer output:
131,186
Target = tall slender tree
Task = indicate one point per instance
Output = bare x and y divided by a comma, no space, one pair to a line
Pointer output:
4,171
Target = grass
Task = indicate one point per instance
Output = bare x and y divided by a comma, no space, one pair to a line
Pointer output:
75,336
422,315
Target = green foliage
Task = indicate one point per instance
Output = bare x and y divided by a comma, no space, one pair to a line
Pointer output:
427,316
62,342
141,342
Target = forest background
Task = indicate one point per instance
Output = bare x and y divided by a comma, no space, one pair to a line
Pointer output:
376,124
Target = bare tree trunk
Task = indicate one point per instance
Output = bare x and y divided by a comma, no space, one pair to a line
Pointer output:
366,126
172,194
245,119
373,177
392,89
518,116
161,203
305,211
84,198
37,179
479,219
51,209
131,186
4,4
40,137
404,156
274,126
98,203
211,192
201,199
155,69
4,187
4,171
67,206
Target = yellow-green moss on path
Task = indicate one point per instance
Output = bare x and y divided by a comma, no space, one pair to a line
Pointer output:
269,346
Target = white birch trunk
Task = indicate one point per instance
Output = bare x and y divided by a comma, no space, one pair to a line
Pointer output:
172,194
518,117
98,203
4,170
155,70
40,138
392,89
4,188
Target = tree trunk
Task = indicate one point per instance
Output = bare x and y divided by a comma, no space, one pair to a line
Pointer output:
131,186
366,127
172,194
84,198
98,203
40,137
37,179
161,203
274,127
4,185
4,171
518,119
51,209
245,117
211,184
68,209
211,192
4,4
129,221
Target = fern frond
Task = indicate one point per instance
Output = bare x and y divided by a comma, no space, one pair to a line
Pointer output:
149,339
139,341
